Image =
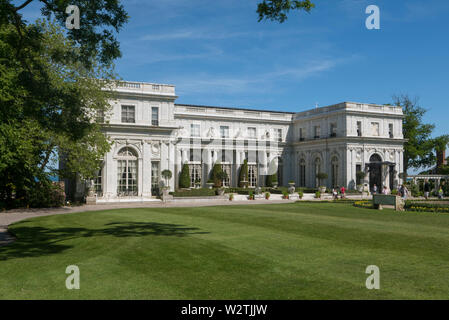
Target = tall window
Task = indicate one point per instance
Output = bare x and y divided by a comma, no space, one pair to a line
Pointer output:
316,132
252,132
128,114
301,134
227,181
98,183
359,128
358,168
280,171
334,171
155,168
279,135
224,132
390,130
154,116
333,130
302,173
317,170
127,173
195,130
252,175
195,174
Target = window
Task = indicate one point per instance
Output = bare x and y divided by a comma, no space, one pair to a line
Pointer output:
359,128
280,172
390,130
156,87
195,174
334,172
317,170
358,168
128,114
227,180
195,130
375,128
224,132
127,173
333,130
154,116
252,132
252,175
302,173
100,116
316,132
279,135
301,134
98,185
155,168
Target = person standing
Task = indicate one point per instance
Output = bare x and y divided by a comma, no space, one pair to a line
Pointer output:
404,192
426,189
440,193
343,192
374,189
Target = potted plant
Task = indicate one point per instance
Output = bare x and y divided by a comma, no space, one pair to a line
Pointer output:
267,195
285,195
360,177
210,183
231,196
321,176
318,195
166,174
251,195
220,191
300,194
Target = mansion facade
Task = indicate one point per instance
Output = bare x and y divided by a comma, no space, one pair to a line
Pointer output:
151,133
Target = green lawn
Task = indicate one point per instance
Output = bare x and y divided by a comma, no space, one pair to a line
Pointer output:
278,251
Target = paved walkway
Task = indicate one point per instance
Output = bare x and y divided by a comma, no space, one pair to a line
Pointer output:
11,216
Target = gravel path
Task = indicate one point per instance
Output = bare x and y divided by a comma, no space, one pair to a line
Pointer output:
11,216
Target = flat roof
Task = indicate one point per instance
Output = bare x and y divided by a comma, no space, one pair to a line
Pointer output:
231,108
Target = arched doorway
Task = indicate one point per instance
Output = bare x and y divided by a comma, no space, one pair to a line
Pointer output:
375,172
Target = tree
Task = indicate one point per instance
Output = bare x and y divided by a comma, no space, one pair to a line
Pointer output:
50,94
98,22
277,10
184,178
418,147
243,174
272,179
217,175
166,174
321,176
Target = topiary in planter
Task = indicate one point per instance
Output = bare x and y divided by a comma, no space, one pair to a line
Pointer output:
217,175
184,178
243,174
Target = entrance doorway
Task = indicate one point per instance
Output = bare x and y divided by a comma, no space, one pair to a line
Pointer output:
375,172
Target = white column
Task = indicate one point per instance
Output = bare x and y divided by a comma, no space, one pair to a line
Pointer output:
145,174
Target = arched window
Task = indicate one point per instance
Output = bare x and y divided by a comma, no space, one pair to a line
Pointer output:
302,173
252,175
127,172
334,171
280,171
317,170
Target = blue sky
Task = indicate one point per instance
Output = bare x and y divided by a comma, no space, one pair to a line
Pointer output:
216,53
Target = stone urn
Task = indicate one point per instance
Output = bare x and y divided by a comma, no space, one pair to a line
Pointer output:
322,189
220,191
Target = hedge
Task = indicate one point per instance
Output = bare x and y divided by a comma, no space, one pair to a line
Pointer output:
202,192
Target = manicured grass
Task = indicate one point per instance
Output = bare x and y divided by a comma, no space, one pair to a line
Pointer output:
285,251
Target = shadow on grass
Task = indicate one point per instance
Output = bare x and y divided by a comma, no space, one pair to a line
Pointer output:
38,241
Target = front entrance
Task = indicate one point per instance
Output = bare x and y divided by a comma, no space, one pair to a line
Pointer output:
375,172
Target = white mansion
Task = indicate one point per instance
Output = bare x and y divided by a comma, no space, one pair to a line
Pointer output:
151,133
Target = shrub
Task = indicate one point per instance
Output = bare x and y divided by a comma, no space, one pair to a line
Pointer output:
46,195
285,195
300,194
426,207
394,192
321,176
272,179
217,175
166,174
251,195
201,192
267,195
364,204
243,174
231,197
318,195
184,179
